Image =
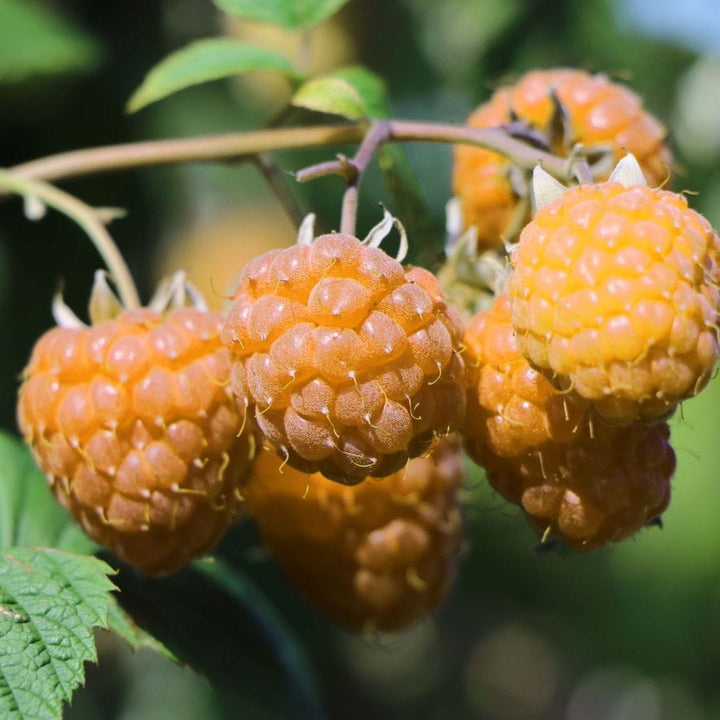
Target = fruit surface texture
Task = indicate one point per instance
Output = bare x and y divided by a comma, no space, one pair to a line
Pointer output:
614,297
351,362
511,407
561,107
374,556
134,423
576,477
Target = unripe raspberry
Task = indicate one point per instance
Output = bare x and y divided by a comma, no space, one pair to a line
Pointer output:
134,423
563,107
575,476
374,556
614,297
350,361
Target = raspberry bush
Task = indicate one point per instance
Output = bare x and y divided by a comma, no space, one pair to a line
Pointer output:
343,445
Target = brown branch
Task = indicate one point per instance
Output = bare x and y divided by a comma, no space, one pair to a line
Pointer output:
229,147
379,132
240,146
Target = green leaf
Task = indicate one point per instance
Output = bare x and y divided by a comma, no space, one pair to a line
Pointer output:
50,601
410,205
331,95
293,14
205,60
370,86
29,514
214,619
35,39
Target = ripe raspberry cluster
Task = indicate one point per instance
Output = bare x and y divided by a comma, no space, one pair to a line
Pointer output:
610,320
575,476
351,369
147,424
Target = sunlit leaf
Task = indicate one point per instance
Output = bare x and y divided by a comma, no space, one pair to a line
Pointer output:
206,60
370,86
50,601
331,95
293,14
36,39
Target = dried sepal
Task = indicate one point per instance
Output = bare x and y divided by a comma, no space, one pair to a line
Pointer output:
628,172
545,188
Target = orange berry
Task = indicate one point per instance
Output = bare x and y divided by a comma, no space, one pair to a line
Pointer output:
136,427
374,556
575,476
351,362
615,298
594,111
511,407
599,489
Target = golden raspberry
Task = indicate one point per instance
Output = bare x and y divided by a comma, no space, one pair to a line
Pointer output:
603,487
614,297
351,362
374,556
136,427
511,408
592,110
575,476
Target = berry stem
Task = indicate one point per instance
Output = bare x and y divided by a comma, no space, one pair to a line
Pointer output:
88,219
582,172
354,169
234,147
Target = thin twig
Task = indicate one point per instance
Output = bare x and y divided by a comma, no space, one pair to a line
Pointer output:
582,172
87,218
229,147
519,152
239,146
378,134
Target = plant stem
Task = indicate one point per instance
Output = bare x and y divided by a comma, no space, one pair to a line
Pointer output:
582,171
87,218
228,147
234,147
378,134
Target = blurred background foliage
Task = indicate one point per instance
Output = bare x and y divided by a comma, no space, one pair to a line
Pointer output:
631,633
